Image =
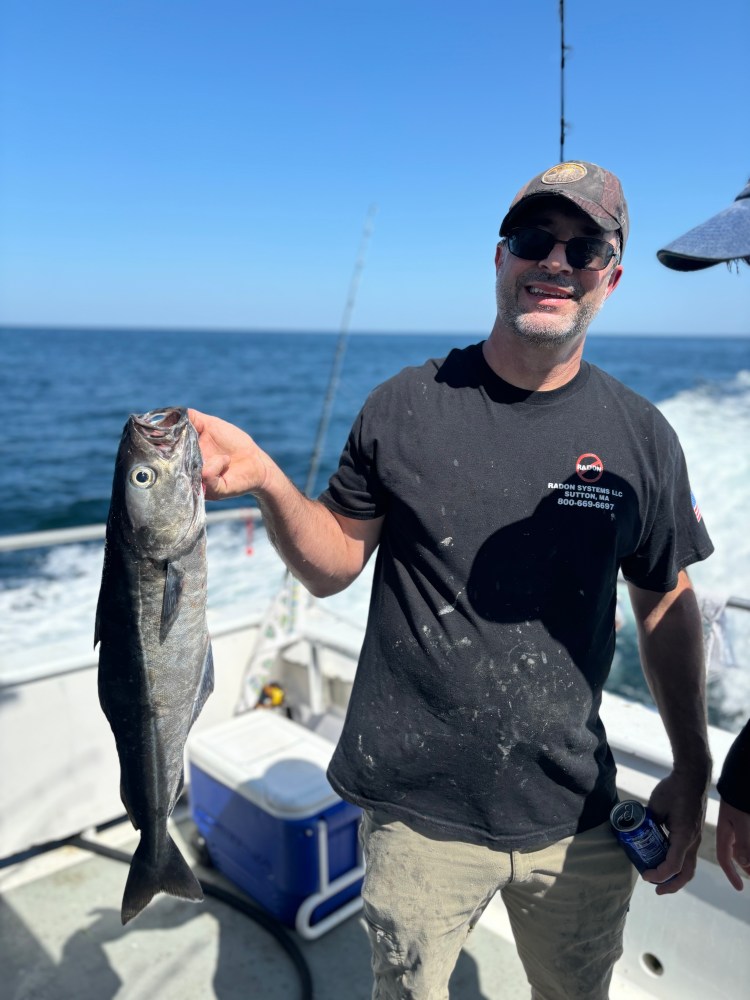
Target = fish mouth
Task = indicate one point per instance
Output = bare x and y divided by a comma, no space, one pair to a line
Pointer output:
162,429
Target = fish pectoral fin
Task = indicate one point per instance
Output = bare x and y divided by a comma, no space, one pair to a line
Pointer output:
168,873
171,602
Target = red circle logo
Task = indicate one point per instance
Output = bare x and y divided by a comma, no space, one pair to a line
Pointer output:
589,467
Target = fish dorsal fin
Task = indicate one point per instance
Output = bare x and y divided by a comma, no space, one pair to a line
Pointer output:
171,603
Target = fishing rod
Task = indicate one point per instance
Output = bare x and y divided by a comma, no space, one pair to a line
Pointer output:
283,614
338,357
563,49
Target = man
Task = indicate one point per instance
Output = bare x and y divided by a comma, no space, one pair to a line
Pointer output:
724,238
504,487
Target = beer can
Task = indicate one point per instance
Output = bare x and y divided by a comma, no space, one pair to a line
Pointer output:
644,841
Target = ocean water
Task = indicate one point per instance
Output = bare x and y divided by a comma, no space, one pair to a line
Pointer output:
65,395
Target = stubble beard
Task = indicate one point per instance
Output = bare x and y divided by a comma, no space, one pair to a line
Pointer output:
541,328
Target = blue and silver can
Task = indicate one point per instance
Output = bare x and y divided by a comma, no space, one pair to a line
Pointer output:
643,839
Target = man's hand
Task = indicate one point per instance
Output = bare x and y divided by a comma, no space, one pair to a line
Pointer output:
733,842
325,551
233,464
679,802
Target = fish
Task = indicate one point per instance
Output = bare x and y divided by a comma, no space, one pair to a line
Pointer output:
156,666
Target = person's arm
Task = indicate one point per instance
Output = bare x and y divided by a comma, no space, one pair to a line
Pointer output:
733,827
325,551
670,638
733,842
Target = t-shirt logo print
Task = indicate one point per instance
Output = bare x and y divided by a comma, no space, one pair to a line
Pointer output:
589,467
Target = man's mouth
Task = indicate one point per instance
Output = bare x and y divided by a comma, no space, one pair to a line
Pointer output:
549,292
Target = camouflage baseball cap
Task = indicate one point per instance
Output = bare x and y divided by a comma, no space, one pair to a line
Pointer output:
593,189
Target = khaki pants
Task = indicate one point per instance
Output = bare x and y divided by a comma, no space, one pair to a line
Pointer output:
424,893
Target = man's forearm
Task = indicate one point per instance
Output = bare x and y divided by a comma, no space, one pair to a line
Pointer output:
671,642
671,645
307,536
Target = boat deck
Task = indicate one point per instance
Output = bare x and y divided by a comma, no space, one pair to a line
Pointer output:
61,938
60,930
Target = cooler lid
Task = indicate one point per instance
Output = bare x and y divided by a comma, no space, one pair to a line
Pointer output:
296,787
273,762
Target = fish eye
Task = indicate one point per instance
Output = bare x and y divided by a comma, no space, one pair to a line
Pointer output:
142,476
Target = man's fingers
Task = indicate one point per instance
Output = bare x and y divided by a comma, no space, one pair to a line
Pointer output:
729,850
731,873
213,476
232,462
675,871
742,852
670,877
214,467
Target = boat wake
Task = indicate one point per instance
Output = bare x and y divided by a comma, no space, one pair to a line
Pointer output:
48,596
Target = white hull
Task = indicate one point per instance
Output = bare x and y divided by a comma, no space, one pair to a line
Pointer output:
61,777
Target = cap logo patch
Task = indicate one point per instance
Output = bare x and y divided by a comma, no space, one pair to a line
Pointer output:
564,173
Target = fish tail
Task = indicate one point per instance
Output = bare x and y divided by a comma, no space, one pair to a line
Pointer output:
170,874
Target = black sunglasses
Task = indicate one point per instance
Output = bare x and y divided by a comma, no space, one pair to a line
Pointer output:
586,253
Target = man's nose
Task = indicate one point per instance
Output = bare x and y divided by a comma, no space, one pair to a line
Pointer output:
556,260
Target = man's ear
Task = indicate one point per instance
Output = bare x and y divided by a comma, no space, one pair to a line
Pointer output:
614,279
499,251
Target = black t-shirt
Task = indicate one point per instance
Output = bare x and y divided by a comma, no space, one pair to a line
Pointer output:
734,783
508,513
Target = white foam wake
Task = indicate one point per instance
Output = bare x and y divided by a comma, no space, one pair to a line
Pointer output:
56,607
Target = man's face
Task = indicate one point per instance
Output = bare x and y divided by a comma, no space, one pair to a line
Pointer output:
548,302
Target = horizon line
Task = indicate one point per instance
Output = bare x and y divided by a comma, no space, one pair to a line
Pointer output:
147,328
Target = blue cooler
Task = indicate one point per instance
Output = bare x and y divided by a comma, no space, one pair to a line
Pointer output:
272,823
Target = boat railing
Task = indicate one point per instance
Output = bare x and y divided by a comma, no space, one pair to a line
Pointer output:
738,602
95,532
322,638
42,662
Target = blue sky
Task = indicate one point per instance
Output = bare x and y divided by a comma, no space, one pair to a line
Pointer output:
210,163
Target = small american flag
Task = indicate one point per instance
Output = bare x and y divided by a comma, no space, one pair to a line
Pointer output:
696,508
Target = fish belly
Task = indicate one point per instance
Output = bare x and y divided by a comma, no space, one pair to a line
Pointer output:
151,689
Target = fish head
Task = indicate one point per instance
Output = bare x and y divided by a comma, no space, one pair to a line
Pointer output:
158,483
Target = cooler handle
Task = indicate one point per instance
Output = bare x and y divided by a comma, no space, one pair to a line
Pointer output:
326,891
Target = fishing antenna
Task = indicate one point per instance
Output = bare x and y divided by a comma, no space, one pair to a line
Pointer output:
563,49
338,357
